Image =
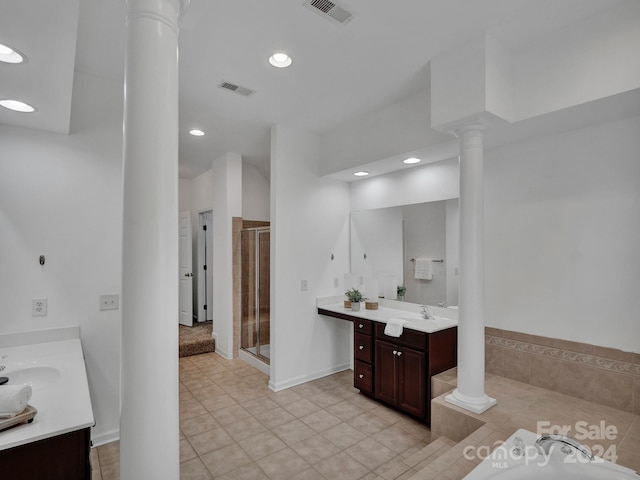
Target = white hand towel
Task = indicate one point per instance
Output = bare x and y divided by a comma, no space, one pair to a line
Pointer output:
394,327
423,269
14,399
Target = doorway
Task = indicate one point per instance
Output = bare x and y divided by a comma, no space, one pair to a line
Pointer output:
256,292
204,270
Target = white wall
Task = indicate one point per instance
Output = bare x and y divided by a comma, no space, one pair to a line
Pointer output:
309,222
562,233
61,196
227,203
255,194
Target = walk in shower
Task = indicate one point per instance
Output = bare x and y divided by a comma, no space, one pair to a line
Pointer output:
255,299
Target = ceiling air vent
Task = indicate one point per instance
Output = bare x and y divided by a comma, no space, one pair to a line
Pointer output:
236,89
329,10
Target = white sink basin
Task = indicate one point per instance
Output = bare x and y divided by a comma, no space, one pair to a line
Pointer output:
34,376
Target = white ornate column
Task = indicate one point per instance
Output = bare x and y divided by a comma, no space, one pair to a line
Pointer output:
470,393
149,436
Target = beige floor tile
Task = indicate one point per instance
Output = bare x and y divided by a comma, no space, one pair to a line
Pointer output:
282,465
275,417
225,460
371,453
229,415
320,420
247,472
396,439
293,432
261,445
315,449
301,407
186,451
200,424
369,423
212,440
245,428
343,435
341,467
194,470
309,474
344,410
109,453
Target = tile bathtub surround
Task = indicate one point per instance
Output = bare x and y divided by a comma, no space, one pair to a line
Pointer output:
522,405
232,426
602,375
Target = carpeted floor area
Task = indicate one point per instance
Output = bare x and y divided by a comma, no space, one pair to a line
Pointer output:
196,340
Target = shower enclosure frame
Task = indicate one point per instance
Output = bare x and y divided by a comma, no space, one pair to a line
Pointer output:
258,321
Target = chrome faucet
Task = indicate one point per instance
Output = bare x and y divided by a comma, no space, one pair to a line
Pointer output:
424,312
2,367
544,444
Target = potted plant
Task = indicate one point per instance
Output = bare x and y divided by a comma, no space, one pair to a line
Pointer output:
402,290
355,297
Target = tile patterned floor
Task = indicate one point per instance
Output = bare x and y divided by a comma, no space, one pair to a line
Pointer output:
233,428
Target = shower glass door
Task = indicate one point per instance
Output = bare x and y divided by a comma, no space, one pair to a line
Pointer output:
255,323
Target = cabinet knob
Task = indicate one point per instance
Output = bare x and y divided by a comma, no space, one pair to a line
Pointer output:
361,347
360,325
360,376
395,352
399,353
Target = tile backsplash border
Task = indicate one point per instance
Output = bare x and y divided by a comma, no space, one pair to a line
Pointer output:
599,374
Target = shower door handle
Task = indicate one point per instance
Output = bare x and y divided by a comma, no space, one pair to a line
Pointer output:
188,274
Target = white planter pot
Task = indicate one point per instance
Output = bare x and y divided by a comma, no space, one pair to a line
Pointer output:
355,306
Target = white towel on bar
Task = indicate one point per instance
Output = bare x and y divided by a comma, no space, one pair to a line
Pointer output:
394,327
14,399
424,269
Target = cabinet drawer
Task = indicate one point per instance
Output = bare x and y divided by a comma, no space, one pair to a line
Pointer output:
363,347
364,326
409,338
363,377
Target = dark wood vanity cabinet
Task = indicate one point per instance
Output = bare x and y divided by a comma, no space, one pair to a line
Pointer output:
400,377
397,370
63,457
363,356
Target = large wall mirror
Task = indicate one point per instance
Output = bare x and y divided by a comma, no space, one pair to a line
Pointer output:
399,242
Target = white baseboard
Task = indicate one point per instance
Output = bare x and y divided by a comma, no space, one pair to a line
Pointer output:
254,362
104,438
276,387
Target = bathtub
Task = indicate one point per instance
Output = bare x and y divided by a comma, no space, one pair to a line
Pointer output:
518,458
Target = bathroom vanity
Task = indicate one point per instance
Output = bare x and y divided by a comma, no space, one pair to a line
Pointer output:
397,370
56,445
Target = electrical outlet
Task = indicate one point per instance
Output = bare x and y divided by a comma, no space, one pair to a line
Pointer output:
39,307
303,285
109,302
336,282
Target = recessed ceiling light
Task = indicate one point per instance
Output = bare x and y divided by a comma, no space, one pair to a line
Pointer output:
196,132
10,55
361,174
411,160
280,60
17,106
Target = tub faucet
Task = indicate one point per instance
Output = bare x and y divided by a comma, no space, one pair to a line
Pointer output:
544,443
424,312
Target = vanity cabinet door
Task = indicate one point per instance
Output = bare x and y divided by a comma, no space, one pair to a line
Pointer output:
362,347
386,372
412,374
363,377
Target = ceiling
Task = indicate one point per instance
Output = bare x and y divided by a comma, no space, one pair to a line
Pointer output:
339,72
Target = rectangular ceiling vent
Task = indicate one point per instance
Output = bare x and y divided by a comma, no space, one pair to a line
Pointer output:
236,89
329,10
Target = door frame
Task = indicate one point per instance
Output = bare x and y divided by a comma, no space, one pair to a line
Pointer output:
204,257
185,272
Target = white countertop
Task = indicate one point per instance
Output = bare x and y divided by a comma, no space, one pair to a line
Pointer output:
61,396
405,312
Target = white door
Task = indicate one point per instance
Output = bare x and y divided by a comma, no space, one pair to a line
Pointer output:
185,272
